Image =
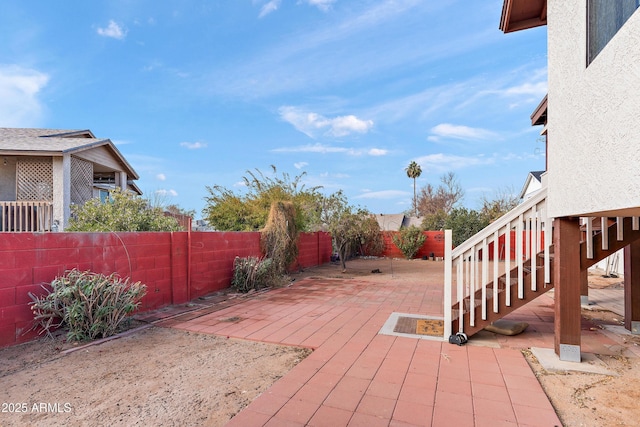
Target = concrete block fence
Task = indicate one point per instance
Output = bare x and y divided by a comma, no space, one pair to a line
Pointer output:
434,244
176,267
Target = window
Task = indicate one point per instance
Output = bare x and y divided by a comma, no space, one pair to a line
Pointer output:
104,196
604,19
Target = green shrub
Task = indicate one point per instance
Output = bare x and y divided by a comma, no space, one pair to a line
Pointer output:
253,273
409,240
90,305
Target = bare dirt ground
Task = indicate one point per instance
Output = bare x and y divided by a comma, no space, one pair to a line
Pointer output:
155,376
583,399
159,376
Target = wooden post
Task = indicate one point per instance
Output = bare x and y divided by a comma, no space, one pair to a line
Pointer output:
632,287
567,281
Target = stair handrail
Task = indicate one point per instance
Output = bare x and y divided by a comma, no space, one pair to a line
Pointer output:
530,222
501,222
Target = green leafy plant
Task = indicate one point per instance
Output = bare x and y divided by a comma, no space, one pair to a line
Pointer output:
90,305
409,240
123,211
253,273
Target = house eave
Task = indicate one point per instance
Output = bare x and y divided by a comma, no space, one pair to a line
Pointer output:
523,14
539,115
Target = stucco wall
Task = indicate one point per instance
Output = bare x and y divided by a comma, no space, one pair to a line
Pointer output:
594,117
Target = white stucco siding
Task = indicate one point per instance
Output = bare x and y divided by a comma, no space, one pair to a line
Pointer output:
594,117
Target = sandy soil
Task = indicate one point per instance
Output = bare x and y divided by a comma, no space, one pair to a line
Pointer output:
160,376
155,376
583,399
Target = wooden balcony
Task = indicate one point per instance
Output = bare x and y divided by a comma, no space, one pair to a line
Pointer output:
26,216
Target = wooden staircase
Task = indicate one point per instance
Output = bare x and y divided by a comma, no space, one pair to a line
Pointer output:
510,298
484,296
499,269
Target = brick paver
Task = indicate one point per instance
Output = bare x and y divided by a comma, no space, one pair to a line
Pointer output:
358,377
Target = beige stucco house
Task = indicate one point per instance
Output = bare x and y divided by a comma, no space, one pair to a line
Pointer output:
45,171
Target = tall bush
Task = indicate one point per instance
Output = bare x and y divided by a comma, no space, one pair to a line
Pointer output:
279,237
409,240
123,211
90,305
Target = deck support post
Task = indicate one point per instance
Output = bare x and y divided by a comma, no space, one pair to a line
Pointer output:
567,285
632,287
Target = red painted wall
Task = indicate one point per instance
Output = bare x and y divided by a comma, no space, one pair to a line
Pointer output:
433,244
512,246
159,260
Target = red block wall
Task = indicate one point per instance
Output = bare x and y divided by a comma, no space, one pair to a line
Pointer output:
314,249
176,267
433,244
512,246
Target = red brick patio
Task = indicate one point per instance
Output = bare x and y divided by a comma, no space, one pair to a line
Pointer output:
358,377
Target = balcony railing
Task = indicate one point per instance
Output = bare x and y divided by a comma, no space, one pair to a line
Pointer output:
27,215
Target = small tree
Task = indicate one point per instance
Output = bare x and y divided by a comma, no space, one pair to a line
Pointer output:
409,240
435,221
352,229
444,198
124,211
503,201
464,223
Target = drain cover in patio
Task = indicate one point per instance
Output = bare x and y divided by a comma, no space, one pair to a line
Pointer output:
413,325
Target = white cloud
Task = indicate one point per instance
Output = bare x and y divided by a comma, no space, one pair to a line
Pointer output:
19,90
193,145
441,162
378,152
538,89
323,5
344,125
163,192
112,30
300,165
120,142
313,124
447,130
333,175
329,149
315,148
161,177
271,6
384,194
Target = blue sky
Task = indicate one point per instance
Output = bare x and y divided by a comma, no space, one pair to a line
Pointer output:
197,92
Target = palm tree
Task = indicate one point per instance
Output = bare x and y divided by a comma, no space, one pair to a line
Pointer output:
413,171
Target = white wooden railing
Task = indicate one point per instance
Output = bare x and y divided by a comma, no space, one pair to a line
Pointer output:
600,225
471,266
31,215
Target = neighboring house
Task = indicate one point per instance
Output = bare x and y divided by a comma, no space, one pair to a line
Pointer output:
45,171
532,184
394,222
588,205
